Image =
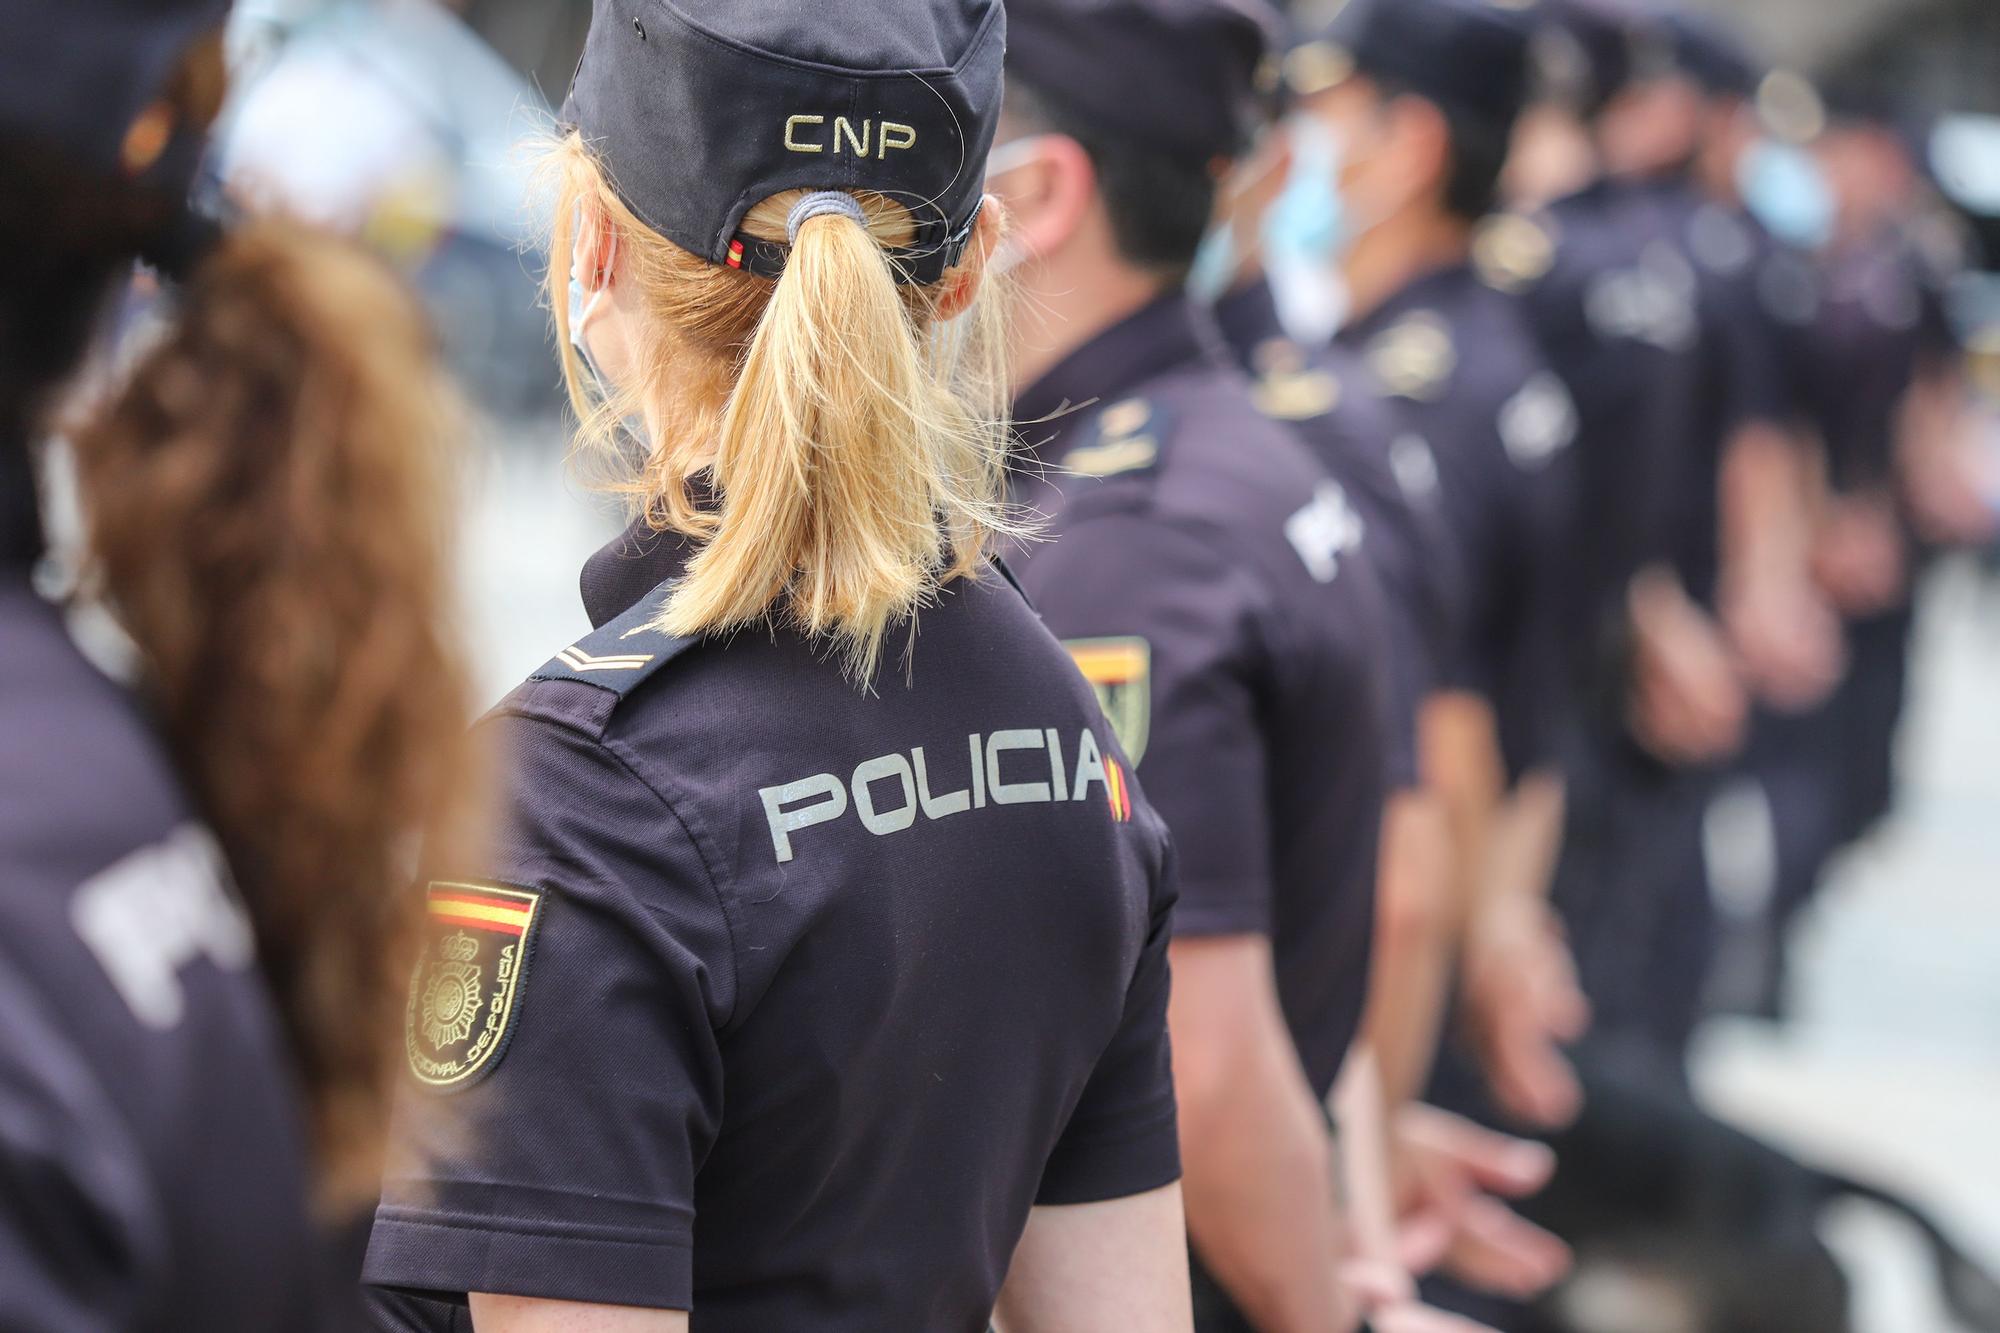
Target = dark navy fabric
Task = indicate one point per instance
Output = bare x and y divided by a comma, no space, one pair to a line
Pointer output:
1613,307
1187,77
829,988
1183,519
153,1173
1329,398
1462,372
1470,56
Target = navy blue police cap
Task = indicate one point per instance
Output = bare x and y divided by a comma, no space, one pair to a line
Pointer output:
1712,56
1613,43
77,75
701,109
1468,56
1190,78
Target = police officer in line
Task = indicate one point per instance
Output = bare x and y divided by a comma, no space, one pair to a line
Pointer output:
1214,584
1422,99
1884,386
1278,205
819,979
201,957
1612,305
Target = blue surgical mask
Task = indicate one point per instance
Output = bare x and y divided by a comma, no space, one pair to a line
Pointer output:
1215,264
1309,223
1784,188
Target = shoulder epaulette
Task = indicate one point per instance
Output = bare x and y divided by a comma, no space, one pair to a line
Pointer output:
1289,387
1124,437
620,654
1512,252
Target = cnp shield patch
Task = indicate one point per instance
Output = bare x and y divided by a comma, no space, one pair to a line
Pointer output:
466,991
1121,671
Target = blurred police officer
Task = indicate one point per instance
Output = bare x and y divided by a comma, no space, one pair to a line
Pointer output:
1214,583
261,492
820,978
1421,100
1277,206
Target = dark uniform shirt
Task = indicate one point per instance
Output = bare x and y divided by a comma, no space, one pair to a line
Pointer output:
1462,371
780,1000
152,1166
1613,307
1881,323
1334,404
1207,576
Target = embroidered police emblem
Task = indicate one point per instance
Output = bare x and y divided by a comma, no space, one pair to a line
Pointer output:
1121,671
466,990
1414,357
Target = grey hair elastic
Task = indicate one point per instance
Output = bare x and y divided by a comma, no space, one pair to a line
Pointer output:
819,204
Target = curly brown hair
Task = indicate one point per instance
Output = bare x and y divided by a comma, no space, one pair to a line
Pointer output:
267,508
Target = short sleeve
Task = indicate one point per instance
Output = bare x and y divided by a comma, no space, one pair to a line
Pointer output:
1745,356
81,1237
1194,733
1122,1138
566,1169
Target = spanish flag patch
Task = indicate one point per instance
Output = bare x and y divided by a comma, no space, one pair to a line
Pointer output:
1119,789
465,993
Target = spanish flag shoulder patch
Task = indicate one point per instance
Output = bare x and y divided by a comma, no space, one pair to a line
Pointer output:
465,993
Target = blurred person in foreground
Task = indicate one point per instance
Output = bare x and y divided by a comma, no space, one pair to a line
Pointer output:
204,935
819,977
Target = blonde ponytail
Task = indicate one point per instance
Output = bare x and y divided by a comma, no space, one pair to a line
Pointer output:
856,445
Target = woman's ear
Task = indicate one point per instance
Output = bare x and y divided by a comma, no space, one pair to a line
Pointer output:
595,264
961,286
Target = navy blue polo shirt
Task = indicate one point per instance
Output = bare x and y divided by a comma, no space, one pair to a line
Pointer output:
1329,398
1881,319
1211,580
1614,309
1460,367
782,1000
153,1171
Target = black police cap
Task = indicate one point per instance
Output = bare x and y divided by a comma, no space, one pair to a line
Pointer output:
1712,56
700,109
1192,78
1468,56
75,75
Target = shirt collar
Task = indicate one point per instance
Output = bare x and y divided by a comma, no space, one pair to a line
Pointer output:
1154,339
628,567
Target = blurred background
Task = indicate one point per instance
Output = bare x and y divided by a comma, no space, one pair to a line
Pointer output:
1886,1061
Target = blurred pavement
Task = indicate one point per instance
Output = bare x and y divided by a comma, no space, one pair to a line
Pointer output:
1890,1069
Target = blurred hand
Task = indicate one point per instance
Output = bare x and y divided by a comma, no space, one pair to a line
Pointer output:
1687,704
1452,1178
1787,640
1522,1005
1947,494
1859,556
